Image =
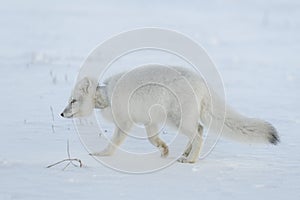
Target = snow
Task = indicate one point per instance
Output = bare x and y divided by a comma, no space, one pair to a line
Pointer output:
255,45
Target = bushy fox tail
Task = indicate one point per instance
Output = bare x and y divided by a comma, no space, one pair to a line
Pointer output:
241,128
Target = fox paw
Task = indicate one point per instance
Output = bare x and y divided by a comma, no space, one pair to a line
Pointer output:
184,159
101,153
164,149
185,154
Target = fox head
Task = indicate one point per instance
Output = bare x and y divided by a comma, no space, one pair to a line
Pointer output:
82,100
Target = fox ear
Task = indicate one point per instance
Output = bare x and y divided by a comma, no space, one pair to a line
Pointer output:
84,85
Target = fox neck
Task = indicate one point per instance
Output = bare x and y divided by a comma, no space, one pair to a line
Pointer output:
101,98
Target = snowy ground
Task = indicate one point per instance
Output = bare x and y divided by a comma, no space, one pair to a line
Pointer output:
255,45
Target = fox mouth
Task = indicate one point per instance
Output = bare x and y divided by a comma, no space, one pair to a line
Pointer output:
68,116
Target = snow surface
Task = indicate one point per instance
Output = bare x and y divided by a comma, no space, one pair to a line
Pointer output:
255,45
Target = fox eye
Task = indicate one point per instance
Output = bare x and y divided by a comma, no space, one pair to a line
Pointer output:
73,101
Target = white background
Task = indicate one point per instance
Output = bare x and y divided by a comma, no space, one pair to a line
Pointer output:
255,45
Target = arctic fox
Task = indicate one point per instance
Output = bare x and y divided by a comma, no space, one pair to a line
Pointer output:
88,95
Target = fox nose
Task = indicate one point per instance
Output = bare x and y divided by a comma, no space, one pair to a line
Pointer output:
62,114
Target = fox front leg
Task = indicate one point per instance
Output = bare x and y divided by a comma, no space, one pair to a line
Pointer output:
117,139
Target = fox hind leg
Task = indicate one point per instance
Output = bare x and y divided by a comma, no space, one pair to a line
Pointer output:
152,132
187,150
192,152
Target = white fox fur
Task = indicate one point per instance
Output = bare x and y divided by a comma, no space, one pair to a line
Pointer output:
87,95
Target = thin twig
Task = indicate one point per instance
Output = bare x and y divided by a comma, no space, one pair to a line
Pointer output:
51,109
53,130
69,159
52,114
65,160
66,166
69,155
